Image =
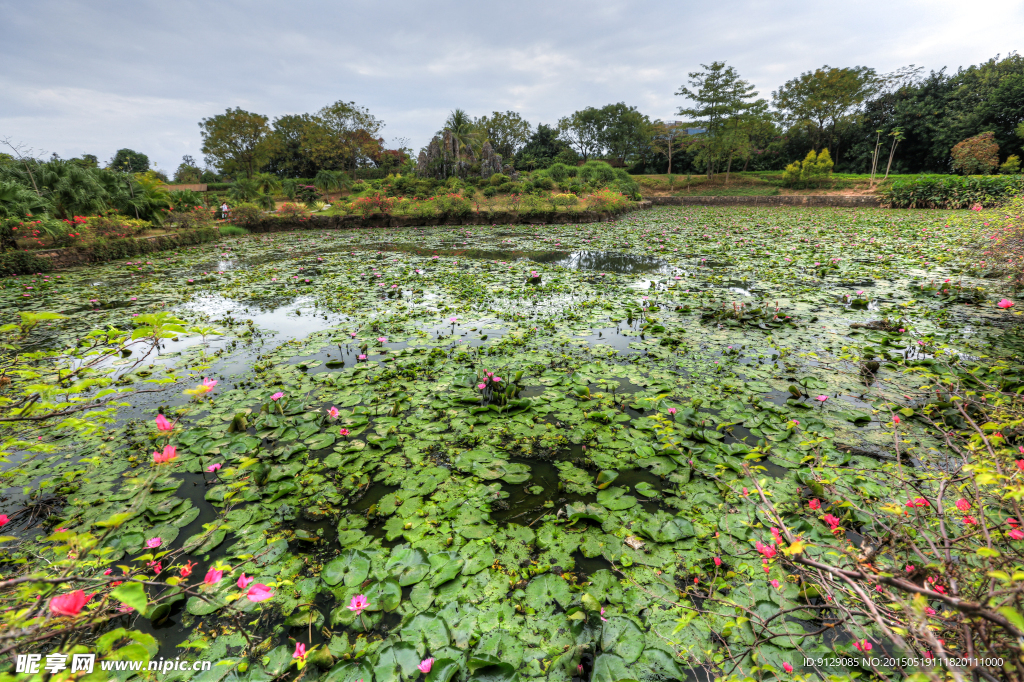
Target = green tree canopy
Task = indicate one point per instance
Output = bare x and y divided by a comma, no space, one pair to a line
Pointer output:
235,141
718,95
507,132
129,161
825,99
582,131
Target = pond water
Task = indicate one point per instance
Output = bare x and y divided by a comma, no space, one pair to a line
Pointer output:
507,453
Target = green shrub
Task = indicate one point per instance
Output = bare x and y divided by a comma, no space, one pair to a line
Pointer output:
952,191
1011,166
424,209
507,187
532,205
23,263
815,169
566,201
499,179
558,172
490,191
453,205
246,214
232,230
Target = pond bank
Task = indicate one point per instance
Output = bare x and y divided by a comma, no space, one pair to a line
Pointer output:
815,200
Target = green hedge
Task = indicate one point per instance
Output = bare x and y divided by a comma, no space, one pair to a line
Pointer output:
127,248
952,191
219,186
23,263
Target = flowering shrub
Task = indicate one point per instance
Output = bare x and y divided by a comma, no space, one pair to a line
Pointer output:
291,210
978,155
453,205
607,200
246,214
117,226
374,204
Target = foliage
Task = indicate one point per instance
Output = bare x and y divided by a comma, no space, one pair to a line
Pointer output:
377,203
191,218
826,99
453,204
977,155
116,226
292,211
815,169
507,132
236,140
129,161
543,147
945,191
246,214
22,262
566,201
185,199
1011,166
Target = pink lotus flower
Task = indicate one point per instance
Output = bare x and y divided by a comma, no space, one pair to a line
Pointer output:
1005,303
963,505
671,410
300,651
214,467
453,320
382,339
277,396
787,667
259,592
163,424
814,504
170,453
333,413
213,576
243,582
362,357
358,604
153,543
209,384
344,432
821,398
481,386
69,604
425,665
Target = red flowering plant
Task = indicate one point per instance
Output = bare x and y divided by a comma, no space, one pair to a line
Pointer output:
917,552
377,203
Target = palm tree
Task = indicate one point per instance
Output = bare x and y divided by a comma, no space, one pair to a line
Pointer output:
267,182
327,180
465,132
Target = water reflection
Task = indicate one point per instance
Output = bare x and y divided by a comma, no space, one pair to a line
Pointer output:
604,261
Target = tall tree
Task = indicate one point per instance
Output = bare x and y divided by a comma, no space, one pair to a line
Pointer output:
287,147
129,161
582,131
543,147
718,94
506,131
625,132
826,99
235,140
343,136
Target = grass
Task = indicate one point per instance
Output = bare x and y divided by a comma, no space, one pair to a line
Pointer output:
232,230
752,183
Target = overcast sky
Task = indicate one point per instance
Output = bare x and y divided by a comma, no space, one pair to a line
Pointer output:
95,76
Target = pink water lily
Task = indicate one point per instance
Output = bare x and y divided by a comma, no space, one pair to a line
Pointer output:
163,423
259,592
333,413
821,398
362,357
300,651
170,453
344,432
155,542
277,396
358,604
1005,303
671,410
382,339
214,467
425,665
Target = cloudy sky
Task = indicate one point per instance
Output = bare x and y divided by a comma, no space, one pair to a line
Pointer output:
98,75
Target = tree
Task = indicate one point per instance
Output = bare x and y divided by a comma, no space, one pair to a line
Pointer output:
129,161
667,139
287,147
625,132
342,136
718,94
236,140
582,131
825,99
506,131
188,171
978,155
543,147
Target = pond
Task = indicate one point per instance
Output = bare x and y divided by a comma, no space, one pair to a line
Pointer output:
541,454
